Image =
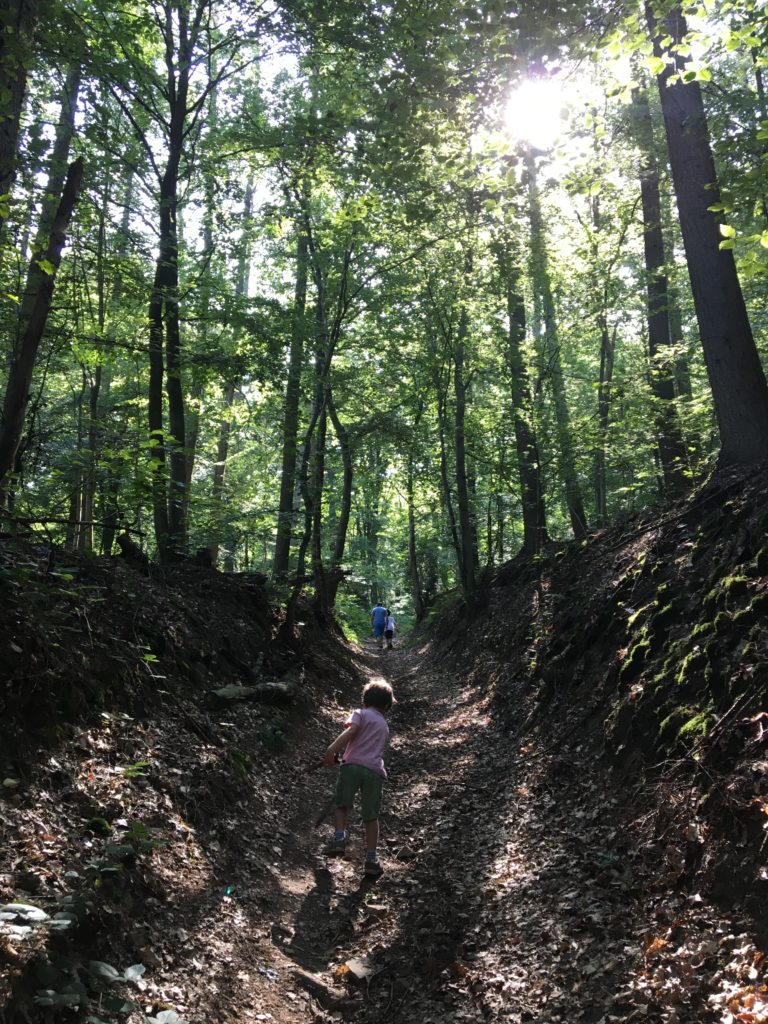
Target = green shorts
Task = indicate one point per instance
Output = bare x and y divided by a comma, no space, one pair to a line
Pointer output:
353,777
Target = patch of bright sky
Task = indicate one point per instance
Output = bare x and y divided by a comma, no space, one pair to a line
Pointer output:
540,110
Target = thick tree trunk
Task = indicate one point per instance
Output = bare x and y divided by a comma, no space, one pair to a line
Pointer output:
18,19
286,512
41,283
541,283
735,374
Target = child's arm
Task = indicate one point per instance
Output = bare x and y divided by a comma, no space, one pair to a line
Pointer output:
340,743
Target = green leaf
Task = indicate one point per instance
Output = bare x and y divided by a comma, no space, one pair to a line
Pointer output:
134,972
727,231
104,972
764,239
23,910
47,997
727,243
117,1005
47,267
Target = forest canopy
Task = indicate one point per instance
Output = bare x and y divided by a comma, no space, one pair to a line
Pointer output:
373,297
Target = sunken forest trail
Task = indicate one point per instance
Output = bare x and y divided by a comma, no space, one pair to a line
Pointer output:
575,827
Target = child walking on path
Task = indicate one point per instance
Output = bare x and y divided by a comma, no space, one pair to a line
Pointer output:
389,631
363,742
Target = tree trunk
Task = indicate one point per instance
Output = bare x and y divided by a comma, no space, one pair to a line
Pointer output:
413,560
291,414
192,415
672,453
528,460
155,413
18,21
541,284
335,575
77,474
607,355
467,544
225,423
735,374
450,514
220,470
41,283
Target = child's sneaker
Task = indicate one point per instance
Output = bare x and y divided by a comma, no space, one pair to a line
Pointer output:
336,848
372,868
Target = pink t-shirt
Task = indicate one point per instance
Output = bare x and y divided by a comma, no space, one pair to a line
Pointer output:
367,747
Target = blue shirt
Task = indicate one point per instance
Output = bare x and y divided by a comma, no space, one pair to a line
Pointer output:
379,615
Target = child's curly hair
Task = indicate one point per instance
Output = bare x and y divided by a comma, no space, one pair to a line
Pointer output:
378,695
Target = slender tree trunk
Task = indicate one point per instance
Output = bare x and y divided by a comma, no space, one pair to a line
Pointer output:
317,480
77,479
41,283
528,460
672,453
735,374
225,423
540,275
335,575
192,414
683,387
85,537
155,409
442,429
413,559
291,414
111,477
467,544
220,470
607,355
177,504
85,540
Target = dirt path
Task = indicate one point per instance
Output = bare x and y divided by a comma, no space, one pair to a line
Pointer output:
502,898
517,886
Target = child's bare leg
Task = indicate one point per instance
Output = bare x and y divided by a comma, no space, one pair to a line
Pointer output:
340,819
371,835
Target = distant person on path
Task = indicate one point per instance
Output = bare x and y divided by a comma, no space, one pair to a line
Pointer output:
389,629
363,742
379,621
